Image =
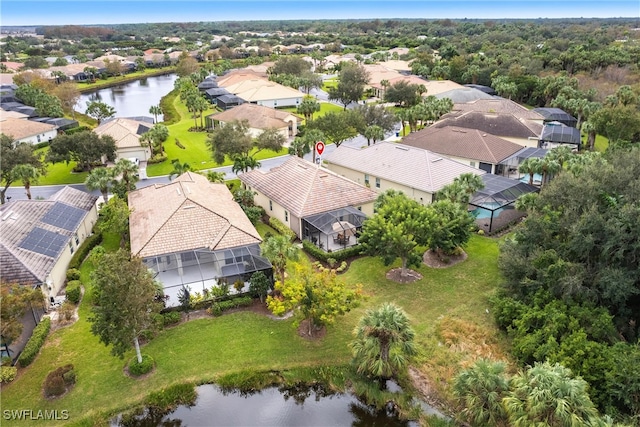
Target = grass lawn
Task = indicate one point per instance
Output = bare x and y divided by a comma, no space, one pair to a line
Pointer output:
601,143
447,309
59,173
196,152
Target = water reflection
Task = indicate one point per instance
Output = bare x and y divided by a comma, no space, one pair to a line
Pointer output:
133,98
295,406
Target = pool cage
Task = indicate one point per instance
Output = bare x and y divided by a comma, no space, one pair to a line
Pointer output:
334,230
511,164
493,205
201,269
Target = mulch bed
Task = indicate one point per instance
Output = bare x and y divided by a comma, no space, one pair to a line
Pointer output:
395,274
433,260
316,334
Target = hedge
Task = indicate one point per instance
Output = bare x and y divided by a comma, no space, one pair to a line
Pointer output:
218,307
137,369
323,256
32,348
84,249
8,374
282,228
170,115
73,291
76,130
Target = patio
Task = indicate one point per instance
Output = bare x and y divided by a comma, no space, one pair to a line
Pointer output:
334,230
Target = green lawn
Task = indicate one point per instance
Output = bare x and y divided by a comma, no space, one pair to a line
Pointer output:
59,173
204,349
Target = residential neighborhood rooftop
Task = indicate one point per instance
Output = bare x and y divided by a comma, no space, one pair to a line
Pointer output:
20,128
258,116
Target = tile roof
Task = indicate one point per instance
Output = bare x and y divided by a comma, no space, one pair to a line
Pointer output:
261,90
126,132
499,106
258,116
464,94
414,167
18,218
20,128
238,76
500,124
304,189
188,213
462,142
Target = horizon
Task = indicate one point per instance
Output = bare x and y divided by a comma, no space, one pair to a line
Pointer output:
27,13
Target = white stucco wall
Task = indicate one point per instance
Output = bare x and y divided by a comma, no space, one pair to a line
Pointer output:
40,137
283,102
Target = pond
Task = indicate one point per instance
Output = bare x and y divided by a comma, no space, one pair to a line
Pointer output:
293,406
133,98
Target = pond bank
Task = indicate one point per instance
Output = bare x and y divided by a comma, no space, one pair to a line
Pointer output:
127,78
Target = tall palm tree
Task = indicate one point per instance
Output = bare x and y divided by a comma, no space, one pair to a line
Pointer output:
308,107
244,163
155,110
480,390
471,183
214,176
549,395
549,167
561,153
530,166
373,133
178,168
128,173
383,342
100,179
279,249
28,174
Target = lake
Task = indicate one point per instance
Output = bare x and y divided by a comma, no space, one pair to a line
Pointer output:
295,406
133,98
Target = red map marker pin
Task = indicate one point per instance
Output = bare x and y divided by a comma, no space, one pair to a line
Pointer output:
319,147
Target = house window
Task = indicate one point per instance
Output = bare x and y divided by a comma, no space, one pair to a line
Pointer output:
286,216
71,246
359,208
270,205
377,182
77,239
472,164
366,179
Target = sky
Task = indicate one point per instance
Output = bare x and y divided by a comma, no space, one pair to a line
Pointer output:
79,12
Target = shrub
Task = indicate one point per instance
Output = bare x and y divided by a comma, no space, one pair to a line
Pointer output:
171,318
323,256
35,342
331,261
158,158
282,228
65,312
59,380
217,308
8,374
73,291
238,285
169,113
76,130
179,144
137,369
73,274
84,249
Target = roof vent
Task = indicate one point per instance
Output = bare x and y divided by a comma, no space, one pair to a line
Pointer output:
188,189
302,166
188,207
484,134
178,191
7,215
436,160
402,148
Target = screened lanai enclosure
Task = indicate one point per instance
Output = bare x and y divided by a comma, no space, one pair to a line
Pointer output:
511,164
202,269
493,206
334,230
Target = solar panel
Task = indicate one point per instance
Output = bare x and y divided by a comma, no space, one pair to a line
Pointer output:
44,242
64,216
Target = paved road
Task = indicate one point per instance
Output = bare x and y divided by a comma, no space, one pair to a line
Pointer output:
45,191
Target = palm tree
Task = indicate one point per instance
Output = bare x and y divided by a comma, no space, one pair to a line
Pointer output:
530,166
178,168
28,174
375,133
214,176
278,250
561,153
100,179
480,390
384,341
308,107
244,163
549,167
128,173
155,110
526,202
455,192
548,395
471,183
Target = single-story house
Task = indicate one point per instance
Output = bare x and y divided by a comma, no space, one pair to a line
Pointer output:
316,203
234,77
556,134
503,125
497,105
228,101
259,117
192,233
127,132
267,93
469,146
38,239
418,173
463,95
28,130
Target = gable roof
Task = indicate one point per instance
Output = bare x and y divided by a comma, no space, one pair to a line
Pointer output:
498,105
506,124
261,90
126,132
22,219
304,188
20,128
463,142
411,166
258,116
188,213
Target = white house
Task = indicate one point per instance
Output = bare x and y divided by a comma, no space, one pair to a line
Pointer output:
29,131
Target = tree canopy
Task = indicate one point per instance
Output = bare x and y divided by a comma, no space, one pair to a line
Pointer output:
87,148
351,83
13,155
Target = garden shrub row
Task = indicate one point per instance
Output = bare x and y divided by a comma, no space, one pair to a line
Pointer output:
157,159
32,348
169,113
217,308
282,228
171,318
338,256
73,291
91,242
76,130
